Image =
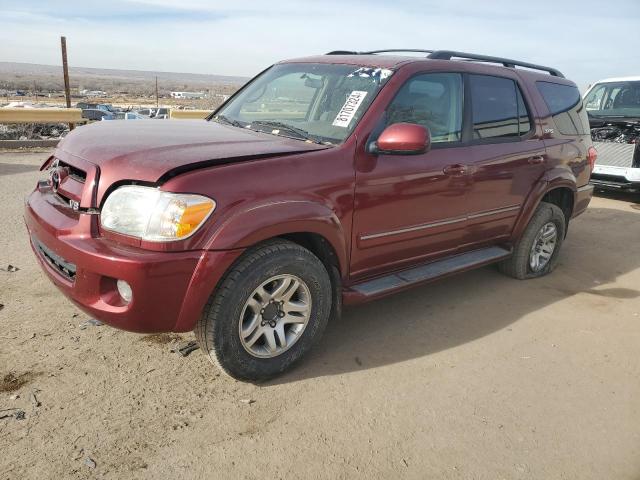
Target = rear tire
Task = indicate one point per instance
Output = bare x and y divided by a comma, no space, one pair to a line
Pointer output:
541,239
269,310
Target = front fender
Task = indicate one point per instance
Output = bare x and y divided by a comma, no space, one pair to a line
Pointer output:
276,218
244,228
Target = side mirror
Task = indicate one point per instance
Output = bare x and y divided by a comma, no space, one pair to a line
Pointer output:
402,139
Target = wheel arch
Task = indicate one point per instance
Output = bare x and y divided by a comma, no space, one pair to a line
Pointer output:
307,223
564,198
214,266
560,191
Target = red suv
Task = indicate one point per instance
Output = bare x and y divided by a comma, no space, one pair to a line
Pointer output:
336,178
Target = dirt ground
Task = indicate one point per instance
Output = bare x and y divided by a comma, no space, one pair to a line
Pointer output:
476,377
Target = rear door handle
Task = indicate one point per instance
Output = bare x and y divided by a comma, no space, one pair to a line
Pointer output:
536,160
456,169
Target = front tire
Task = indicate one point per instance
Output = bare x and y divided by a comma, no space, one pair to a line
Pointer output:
536,253
269,310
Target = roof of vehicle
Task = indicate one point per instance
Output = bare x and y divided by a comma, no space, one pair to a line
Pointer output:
390,59
634,78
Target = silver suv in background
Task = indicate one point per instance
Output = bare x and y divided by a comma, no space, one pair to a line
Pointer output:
613,106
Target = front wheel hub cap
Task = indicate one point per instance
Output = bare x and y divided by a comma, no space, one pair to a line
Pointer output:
270,312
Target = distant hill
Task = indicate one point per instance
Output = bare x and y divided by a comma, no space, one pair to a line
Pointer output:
36,69
15,75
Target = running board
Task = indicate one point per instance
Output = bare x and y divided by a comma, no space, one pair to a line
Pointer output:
424,273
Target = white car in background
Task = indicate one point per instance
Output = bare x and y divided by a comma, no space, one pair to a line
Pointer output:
125,116
159,113
613,106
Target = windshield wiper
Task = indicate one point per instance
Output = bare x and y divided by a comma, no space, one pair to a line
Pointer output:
298,132
228,121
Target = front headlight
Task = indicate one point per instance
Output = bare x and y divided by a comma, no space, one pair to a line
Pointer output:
151,214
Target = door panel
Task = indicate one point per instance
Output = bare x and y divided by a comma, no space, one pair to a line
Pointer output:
504,174
407,209
508,158
412,207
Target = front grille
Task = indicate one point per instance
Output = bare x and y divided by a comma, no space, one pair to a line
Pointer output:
74,172
59,264
615,154
71,183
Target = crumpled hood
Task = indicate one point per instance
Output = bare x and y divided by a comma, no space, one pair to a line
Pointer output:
147,150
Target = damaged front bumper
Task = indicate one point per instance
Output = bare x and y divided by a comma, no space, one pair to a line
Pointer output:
169,289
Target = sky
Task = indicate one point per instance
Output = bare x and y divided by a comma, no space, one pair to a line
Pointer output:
587,40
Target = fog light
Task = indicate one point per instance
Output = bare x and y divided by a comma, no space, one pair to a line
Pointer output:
124,289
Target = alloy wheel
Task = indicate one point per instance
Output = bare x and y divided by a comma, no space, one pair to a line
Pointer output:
275,316
543,247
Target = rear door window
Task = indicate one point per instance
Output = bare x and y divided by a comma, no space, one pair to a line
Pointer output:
566,107
498,108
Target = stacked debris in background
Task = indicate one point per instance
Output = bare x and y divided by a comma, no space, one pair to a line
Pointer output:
33,131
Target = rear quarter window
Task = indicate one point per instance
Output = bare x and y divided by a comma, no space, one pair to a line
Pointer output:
566,107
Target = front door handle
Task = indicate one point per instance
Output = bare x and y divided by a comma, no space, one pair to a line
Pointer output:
536,160
455,170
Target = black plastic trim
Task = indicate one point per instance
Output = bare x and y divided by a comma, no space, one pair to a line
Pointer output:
55,261
452,54
506,62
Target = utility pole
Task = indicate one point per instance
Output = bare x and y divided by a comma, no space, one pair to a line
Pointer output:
157,103
35,90
65,71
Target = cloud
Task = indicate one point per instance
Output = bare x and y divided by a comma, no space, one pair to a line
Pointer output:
241,38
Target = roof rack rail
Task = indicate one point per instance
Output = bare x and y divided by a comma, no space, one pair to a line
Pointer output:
372,52
449,54
397,50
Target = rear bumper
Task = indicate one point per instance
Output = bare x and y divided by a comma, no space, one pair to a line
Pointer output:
616,178
170,289
619,186
620,179
582,198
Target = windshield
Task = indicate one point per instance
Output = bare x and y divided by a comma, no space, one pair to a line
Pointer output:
614,99
312,102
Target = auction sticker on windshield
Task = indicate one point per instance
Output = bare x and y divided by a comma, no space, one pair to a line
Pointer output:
349,109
